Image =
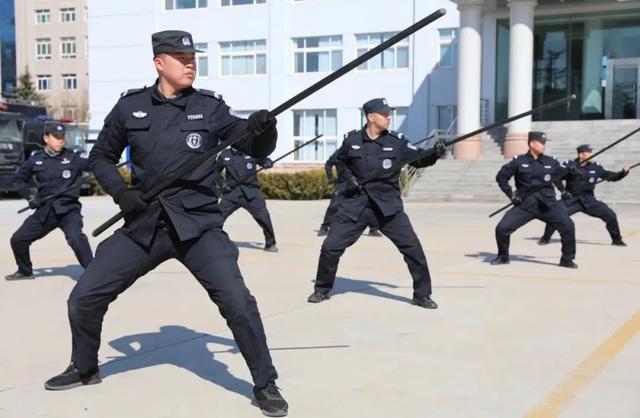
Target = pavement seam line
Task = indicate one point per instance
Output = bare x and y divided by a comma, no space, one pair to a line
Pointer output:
558,399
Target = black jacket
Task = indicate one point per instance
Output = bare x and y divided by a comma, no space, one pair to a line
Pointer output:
240,174
52,175
582,182
376,164
164,135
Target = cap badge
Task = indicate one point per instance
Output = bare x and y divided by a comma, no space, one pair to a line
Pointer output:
186,41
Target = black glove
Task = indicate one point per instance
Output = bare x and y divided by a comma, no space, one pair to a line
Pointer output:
572,167
130,200
34,203
259,122
566,195
352,186
440,147
516,200
267,163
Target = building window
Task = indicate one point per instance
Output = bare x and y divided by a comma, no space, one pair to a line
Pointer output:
445,117
69,81
68,14
243,57
43,48
184,4
321,53
309,123
398,116
43,16
448,46
68,47
395,57
44,82
203,59
240,2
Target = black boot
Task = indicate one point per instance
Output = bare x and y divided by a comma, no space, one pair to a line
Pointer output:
374,232
543,241
18,275
567,263
323,232
424,302
270,401
499,260
616,242
72,378
317,297
271,248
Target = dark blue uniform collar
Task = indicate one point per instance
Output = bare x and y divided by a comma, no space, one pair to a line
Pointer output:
365,137
180,100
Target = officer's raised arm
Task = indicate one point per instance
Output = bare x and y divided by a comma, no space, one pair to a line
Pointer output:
106,153
262,131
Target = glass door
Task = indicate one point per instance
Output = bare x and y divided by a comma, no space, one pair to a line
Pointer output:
623,89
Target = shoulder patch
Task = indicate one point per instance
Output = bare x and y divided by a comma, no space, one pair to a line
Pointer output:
131,91
395,134
210,93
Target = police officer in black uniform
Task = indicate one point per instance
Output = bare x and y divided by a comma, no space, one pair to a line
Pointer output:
55,168
580,184
241,189
373,158
339,185
531,171
167,125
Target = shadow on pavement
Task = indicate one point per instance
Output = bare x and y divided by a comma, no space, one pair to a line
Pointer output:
178,346
578,241
346,285
487,257
72,271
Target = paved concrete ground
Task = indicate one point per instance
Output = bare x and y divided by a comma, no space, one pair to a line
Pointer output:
527,339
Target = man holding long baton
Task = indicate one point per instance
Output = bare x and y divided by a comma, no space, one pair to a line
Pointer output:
167,125
55,169
376,150
580,184
531,171
241,189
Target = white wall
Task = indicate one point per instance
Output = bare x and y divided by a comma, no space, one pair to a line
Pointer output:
120,55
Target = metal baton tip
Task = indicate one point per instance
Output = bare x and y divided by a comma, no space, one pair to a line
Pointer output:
442,11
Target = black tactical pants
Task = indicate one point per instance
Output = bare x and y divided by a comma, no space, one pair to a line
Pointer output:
332,210
596,209
35,228
211,258
345,232
257,207
556,216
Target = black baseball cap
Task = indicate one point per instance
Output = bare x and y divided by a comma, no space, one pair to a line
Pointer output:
54,128
584,148
379,105
537,136
172,41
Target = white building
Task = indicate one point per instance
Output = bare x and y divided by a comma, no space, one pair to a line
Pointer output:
262,52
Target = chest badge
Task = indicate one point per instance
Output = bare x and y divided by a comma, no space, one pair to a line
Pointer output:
592,180
38,162
547,177
249,166
194,140
66,174
195,117
355,146
65,160
386,163
139,114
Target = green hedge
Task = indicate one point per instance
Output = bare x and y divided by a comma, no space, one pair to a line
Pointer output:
303,185
96,189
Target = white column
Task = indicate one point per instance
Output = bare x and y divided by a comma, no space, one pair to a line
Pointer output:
469,72
520,74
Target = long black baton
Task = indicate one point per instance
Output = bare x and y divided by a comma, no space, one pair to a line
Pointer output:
479,131
73,186
561,175
630,168
197,162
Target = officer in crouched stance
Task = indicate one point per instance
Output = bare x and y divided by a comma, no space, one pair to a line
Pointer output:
55,169
167,125
376,155
580,184
534,170
241,189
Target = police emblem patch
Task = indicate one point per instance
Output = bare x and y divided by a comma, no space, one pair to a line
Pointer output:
592,179
194,140
66,174
547,177
249,166
386,163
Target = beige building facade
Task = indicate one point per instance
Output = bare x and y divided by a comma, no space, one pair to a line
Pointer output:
51,43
